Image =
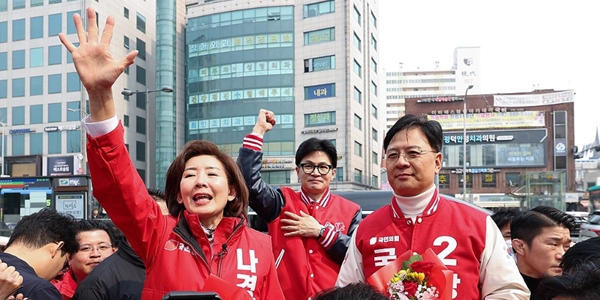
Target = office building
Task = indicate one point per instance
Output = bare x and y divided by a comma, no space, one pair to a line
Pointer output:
314,63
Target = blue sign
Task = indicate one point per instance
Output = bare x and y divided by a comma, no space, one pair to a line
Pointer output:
319,91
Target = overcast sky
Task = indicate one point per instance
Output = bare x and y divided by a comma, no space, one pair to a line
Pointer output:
552,44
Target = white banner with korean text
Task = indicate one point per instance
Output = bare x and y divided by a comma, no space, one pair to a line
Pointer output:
533,99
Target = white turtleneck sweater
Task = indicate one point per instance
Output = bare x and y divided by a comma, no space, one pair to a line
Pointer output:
413,206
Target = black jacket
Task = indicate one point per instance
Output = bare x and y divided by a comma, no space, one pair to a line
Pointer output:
33,286
119,276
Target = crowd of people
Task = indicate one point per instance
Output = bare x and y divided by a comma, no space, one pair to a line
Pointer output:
194,236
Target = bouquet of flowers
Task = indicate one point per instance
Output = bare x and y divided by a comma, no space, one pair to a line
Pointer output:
412,281
414,277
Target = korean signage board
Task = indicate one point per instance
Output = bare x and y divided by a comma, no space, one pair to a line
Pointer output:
60,165
512,119
534,99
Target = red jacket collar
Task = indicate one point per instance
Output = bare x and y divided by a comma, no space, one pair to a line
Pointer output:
430,209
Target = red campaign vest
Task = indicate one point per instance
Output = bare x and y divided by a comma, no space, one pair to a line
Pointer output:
305,267
65,284
455,232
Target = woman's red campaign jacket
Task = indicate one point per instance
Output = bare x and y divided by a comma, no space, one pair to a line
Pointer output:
176,252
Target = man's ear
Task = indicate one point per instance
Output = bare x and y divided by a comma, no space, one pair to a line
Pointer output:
518,246
56,248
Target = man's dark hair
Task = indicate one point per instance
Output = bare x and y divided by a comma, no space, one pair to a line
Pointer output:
581,253
314,144
44,227
505,215
432,130
530,224
157,194
94,225
582,284
354,291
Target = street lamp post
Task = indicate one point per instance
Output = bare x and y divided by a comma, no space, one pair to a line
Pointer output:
82,140
465,143
128,92
3,140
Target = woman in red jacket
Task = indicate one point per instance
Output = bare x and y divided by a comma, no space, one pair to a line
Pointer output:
204,244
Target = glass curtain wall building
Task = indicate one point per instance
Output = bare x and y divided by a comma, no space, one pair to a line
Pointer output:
313,63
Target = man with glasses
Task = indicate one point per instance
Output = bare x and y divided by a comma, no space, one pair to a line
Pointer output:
466,240
39,248
95,241
311,228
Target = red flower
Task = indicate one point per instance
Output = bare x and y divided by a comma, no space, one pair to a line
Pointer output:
422,267
410,287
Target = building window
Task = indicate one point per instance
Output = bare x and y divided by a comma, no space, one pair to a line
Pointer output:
36,27
375,134
36,57
126,41
54,1
375,157
3,32
512,180
319,91
3,61
140,100
55,55
73,141
319,8
73,83
356,15
374,111
18,30
54,112
373,88
488,180
140,125
18,4
18,115
34,3
140,151
18,59
126,120
373,42
54,84
18,144
74,112
141,23
36,85
141,48
276,177
55,146
373,65
319,64
339,175
444,181
36,142
319,36
140,75
469,181
358,175
357,69
3,89
373,20
357,122
356,41
126,12
70,25
357,149
375,181
319,119
18,87
357,95
54,24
